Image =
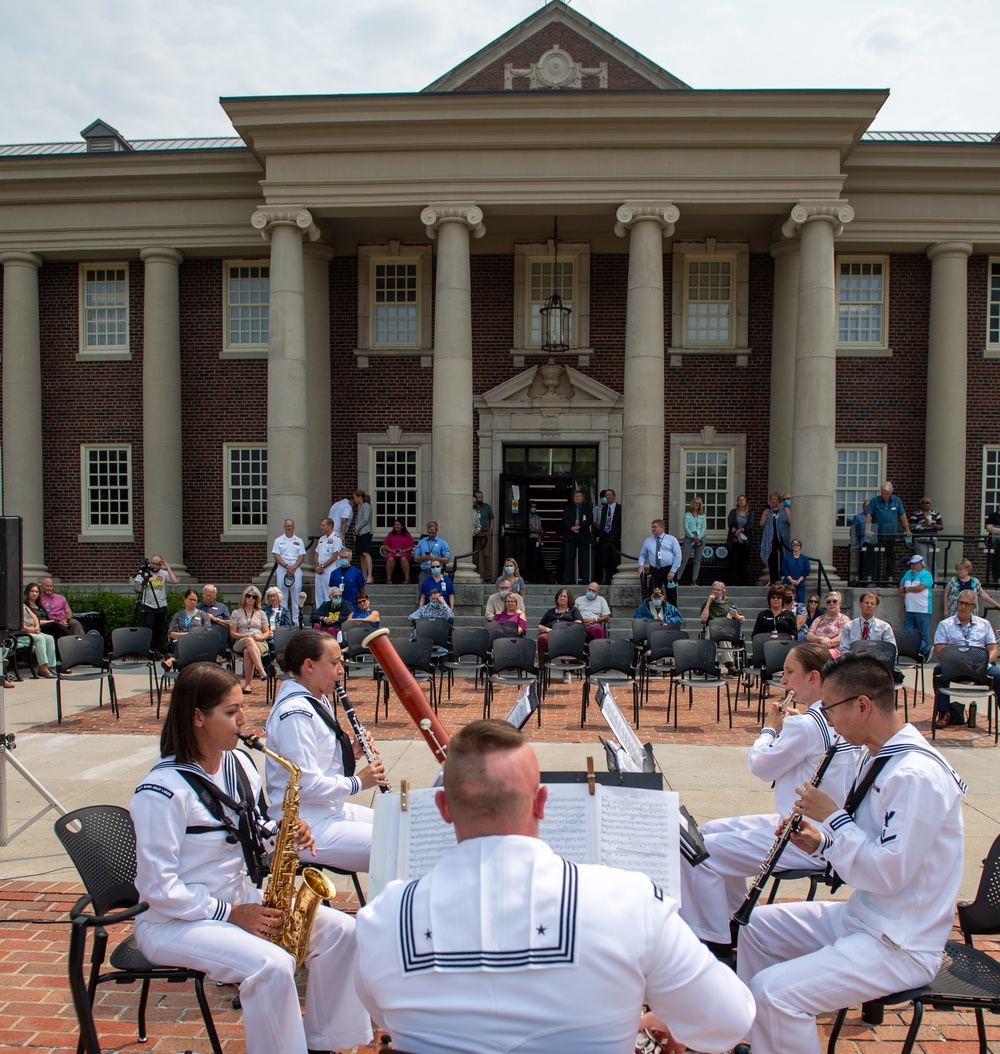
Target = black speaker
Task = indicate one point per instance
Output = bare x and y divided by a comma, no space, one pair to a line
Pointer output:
11,617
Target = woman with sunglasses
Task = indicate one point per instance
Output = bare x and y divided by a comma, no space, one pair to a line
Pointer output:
814,609
826,629
250,630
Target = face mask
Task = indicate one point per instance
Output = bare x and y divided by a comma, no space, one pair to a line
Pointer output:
533,509
591,595
788,503
435,603
657,603
345,563
435,570
504,592
604,501
509,570
335,602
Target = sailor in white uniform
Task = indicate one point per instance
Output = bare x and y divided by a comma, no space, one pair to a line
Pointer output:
204,913
901,850
504,946
289,551
302,726
787,752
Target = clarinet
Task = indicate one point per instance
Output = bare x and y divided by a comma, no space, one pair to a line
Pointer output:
359,732
742,916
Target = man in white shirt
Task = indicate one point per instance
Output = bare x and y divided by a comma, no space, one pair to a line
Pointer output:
966,630
866,626
328,547
595,611
341,515
289,552
662,553
495,603
508,943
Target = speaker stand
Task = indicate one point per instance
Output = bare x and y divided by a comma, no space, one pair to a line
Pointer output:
7,746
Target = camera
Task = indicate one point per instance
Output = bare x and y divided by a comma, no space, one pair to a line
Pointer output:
146,568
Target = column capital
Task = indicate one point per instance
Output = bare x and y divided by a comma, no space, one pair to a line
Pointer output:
942,249
161,254
20,258
666,213
438,213
269,216
836,213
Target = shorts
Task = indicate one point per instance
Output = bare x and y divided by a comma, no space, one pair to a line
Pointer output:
239,645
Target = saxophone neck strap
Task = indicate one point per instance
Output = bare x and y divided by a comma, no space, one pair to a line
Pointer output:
331,722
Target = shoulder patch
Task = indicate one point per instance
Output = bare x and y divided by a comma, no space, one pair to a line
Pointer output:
155,787
290,713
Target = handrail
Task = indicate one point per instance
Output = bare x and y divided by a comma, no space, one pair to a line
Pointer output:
472,552
982,549
821,575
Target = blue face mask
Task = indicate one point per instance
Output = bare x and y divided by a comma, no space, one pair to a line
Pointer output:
335,602
788,503
509,569
504,592
657,603
591,595
345,563
435,570
435,603
604,501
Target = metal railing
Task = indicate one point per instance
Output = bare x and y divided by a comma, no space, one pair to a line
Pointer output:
883,562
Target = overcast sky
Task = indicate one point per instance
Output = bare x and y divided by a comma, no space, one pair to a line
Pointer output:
156,68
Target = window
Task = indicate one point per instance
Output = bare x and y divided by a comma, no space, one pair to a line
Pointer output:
862,302
394,298
247,297
395,491
106,483
245,475
993,322
991,480
708,301
545,277
538,272
104,309
860,472
394,303
706,476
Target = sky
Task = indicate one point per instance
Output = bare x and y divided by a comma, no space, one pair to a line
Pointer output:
156,68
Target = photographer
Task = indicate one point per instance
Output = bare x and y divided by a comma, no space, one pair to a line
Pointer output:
151,583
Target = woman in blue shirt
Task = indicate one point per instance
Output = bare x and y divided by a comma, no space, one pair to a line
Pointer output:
694,540
795,569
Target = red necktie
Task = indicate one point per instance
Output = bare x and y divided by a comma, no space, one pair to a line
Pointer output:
865,632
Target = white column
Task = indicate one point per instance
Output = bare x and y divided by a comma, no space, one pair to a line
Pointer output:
163,486
643,441
451,431
319,395
23,464
947,380
784,319
814,454
287,433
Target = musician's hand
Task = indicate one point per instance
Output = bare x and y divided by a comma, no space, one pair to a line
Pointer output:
304,838
807,838
650,1022
256,919
812,802
774,718
359,750
374,775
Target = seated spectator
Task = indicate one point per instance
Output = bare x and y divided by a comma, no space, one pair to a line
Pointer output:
184,621
331,615
655,609
364,611
435,608
511,616
399,546
496,602
795,569
513,572
828,627
214,607
595,611
866,626
813,612
44,646
961,579
777,617
440,581
278,616
33,599
250,631
964,629
565,610
350,579
719,606
58,608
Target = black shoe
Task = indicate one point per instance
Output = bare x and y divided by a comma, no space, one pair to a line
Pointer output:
741,1048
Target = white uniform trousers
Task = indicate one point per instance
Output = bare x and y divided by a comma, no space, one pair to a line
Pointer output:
343,841
291,593
321,588
712,891
265,972
804,959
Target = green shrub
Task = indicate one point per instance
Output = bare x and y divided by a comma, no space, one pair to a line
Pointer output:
118,609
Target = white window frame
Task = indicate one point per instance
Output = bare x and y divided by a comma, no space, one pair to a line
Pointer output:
720,260
96,532
369,256
700,491
842,532
97,351
238,349
990,486
708,440
737,254
992,350
533,306
241,532
381,520
576,253
394,438
861,348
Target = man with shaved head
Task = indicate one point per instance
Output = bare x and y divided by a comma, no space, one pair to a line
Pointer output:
510,944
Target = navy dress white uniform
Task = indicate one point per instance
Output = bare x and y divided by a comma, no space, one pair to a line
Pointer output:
507,947
191,882
342,830
902,853
737,845
289,549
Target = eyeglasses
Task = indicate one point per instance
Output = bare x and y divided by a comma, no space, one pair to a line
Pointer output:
966,603
252,596
825,710
832,602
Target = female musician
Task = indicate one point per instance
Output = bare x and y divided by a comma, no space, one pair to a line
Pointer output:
203,911
250,631
303,727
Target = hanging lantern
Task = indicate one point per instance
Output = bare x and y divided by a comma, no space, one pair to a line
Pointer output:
555,314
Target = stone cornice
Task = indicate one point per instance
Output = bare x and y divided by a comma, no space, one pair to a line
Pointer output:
434,215
269,216
666,213
836,213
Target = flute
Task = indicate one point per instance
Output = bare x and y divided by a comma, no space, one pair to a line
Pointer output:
788,701
360,734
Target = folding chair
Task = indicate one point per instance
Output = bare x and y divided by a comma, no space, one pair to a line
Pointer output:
418,657
775,653
658,659
470,653
727,631
885,652
962,675
85,657
695,666
131,647
274,673
513,663
751,672
611,661
567,651
908,657
198,646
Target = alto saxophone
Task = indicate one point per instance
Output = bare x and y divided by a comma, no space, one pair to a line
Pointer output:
297,907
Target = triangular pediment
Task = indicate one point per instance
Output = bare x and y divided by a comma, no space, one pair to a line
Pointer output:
528,391
554,49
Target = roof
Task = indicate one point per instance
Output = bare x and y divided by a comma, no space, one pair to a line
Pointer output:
137,145
929,137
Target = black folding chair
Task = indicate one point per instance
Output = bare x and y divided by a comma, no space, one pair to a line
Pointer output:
727,631
908,657
885,652
695,666
418,657
567,651
962,675
750,675
100,840
613,662
513,662
469,654
85,657
775,653
197,646
131,647
658,659
279,641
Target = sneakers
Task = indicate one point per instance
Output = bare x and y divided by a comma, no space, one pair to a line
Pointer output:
567,678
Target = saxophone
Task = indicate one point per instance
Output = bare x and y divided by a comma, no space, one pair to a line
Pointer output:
297,907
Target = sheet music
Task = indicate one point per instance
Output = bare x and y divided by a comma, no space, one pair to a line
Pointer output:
620,728
568,827
638,831
424,836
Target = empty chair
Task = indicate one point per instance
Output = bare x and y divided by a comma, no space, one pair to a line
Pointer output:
696,666
417,656
613,662
908,657
85,657
513,662
775,653
658,659
963,676
751,672
567,651
131,647
469,654
885,652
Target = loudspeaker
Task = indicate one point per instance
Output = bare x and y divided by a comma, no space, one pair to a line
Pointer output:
11,617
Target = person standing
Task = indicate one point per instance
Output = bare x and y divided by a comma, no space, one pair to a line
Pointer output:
694,540
429,546
915,589
152,590
536,535
608,537
289,552
363,532
795,569
738,526
776,539
659,558
341,513
577,519
883,514
328,547
482,536
925,523
349,578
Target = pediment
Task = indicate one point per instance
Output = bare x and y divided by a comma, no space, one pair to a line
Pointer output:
556,48
529,391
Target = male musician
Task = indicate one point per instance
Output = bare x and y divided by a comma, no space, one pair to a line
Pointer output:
787,752
505,946
897,841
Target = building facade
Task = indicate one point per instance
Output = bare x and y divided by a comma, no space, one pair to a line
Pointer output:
202,338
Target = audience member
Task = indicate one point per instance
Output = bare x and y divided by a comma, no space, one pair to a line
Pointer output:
289,552
828,627
883,514
152,590
915,589
795,569
497,601
510,615
364,612
482,536
776,536
399,546
536,536
925,524
43,645
513,572
738,539
577,519
440,581
435,608
33,599
655,609
218,613
719,606
595,612
431,545
184,621
964,629
608,537
328,547
363,532
278,616
58,608
659,558
964,579
860,543
777,617
866,626
564,610
813,612
342,514
694,540
251,632
348,577
331,615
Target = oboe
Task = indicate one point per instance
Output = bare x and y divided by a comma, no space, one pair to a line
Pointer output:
742,916
359,732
